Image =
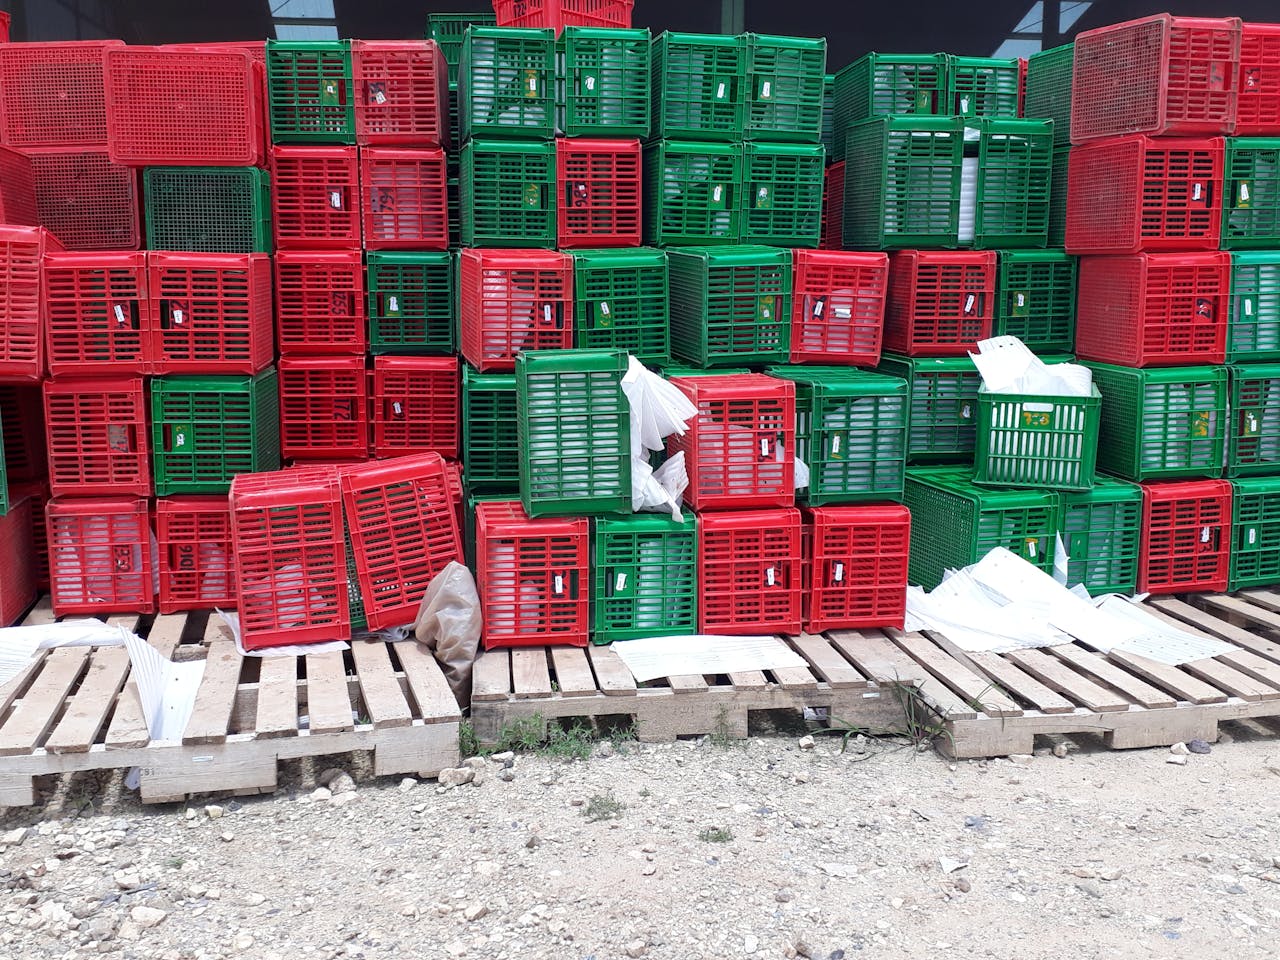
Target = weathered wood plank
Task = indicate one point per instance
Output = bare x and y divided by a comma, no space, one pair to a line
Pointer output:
1058,676
1231,680
491,675
1175,680
328,700
427,683
883,661
614,676
1135,688
36,712
691,683
88,709
128,726
573,672
529,672
974,688
827,662
382,694
277,698
211,717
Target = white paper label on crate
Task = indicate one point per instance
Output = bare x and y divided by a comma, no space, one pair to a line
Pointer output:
1244,193
766,90
1031,549
119,310
764,447
393,304
721,91
770,577
335,199
547,315
717,193
1253,536
839,573
397,409
1248,306
835,444
818,306
1205,534
964,104
1197,191
604,308
379,97
844,313
966,411
558,586
533,85
619,583
1020,300
591,84
969,302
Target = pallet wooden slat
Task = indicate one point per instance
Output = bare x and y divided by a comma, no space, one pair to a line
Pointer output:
1174,679
529,674
748,680
1194,620
614,676
1252,665
434,696
879,658
1231,680
379,686
974,688
1136,689
1008,677
827,662
1057,675
691,683
1258,616
87,710
38,709
277,698
491,675
211,716
573,672
328,700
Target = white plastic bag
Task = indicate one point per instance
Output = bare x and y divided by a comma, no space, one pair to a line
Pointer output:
448,624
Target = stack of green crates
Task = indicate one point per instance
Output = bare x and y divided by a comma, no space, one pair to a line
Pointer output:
207,209
646,577
1255,553
1036,300
1049,97
1251,195
1101,533
491,460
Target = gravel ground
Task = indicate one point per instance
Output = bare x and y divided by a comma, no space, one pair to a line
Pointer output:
769,848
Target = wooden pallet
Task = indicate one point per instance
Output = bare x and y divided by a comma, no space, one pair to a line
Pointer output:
77,709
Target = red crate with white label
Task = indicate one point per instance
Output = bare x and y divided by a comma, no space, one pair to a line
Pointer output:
100,556
401,92
320,303
837,306
941,302
1186,537
315,198
98,437
856,566
750,572
417,405
324,408
22,310
405,204
1258,92
599,193
513,300
196,554
99,314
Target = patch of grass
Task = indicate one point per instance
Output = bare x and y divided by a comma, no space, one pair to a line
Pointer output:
921,727
176,863
721,736
468,742
645,793
533,734
603,806
573,742
715,835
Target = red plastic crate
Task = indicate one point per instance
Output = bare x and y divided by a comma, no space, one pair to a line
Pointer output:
53,93
513,300
856,566
17,559
1022,88
533,575
599,186
739,450
315,198
558,14
290,557
402,92
17,189
324,408
22,423
101,556
211,312
85,200
1186,537
256,49
837,306
98,314
404,530
196,565
4,27
1158,75
1136,193
97,432
1259,88
940,302
40,497
416,406
833,208
1154,309
750,572
405,204
453,474
320,304
196,106
22,311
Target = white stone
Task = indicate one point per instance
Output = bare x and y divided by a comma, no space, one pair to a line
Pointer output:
475,912
456,776
807,743
636,949
146,917
1180,750
214,812
750,944
242,942
14,837
1176,759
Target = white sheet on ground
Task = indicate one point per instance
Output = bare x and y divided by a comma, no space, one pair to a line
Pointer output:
654,657
19,644
232,620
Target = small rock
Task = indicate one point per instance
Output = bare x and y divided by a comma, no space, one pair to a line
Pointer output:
507,775
475,912
1021,759
328,775
807,742
456,776
242,942
129,930
605,750
101,929
146,917
1199,746
802,949
214,812
649,870
1089,888
227,837
407,784
1084,873
963,885
342,799
456,948
1110,875
1176,759
950,865
250,899
322,793
475,763
505,757
340,784
533,841
190,814
784,896
750,944
637,948
577,801
1180,750
127,879
14,837
1060,750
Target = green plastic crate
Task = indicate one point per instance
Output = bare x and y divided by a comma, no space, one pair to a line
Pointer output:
1037,441
782,193
490,461
621,302
1058,183
730,305
507,194
507,83
311,97
699,86
355,598
1036,299
888,84
955,523
1253,442
1102,531
646,577
902,183
605,82
453,189
670,370
1049,90
447,30
943,395
1253,331
574,430
207,209
851,431
1251,198
206,430
4,477
455,122
1255,537
983,87
785,81
691,193
412,302
1015,165
1163,423
829,116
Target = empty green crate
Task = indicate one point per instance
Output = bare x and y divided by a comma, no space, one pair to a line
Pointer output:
412,303
699,86
730,305
1014,180
785,80
507,194
206,430
1049,90
605,83
574,430
355,598
1255,536
1037,441
621,302
888,84
646,577
506,83
1251,200
1058,182
1163,423
691,193
902,183
983,87
1101,532
453,168
670,370
1253,330
311,98
943,396
490,461
1036,299
782,194
207,209
1253,442
829,116
851,432
955,523
447,30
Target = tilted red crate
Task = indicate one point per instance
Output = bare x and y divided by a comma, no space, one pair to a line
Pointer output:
1186,537
22,311
533,576
1258,91
599,193
86,201
457,493
837,306
97,431
750,572
53,93
324,408
211,312
22,424
100,556
1137,193
290,557
196,568
315,198
98,314
739,450
320,303
404,530
17,189
17,558
401,92
513,300
416,406
856,566
558,14
833,208
941,302
404,203
1158,75
1154,309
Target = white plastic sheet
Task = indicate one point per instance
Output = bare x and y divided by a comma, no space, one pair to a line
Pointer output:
658,410
654,657
1008,366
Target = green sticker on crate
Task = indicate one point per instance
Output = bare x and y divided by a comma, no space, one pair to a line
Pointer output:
533,195
1037,416
588,83
329,95
764,198
180,437
1200,423
1244,195
1250,422
767,306
1021,304
531,84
